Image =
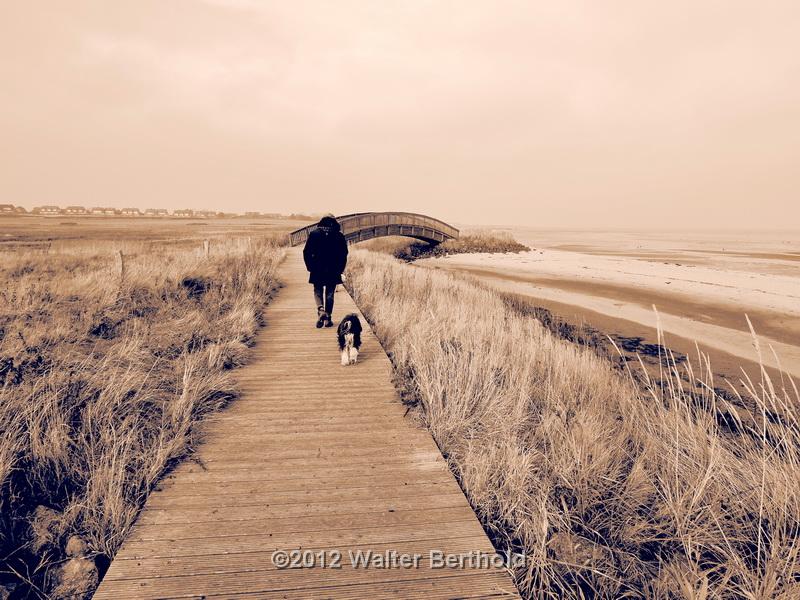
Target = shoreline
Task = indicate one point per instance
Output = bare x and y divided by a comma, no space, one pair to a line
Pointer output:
726,348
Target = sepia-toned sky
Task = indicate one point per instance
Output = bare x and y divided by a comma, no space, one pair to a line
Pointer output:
638,113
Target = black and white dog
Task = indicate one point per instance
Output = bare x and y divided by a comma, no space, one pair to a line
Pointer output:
349,334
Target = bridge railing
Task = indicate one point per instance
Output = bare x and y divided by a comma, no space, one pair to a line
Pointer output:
358,227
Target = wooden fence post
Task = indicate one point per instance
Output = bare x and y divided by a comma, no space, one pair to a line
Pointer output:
206,246
121,265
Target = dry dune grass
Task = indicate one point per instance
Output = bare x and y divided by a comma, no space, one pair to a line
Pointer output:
475,240
610,490
101,381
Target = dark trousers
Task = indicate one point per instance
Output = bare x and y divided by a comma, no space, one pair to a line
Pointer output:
323,295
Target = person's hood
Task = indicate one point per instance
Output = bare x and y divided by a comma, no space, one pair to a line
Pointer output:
329,223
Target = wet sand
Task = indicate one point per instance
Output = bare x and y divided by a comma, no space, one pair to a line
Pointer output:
778,327
701,293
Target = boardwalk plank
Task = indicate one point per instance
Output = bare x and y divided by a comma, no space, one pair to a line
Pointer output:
257,496
257,526
333,538
183,486
323,475
266,580
260,561
310,509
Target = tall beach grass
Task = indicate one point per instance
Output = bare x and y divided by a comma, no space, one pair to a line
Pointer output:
611,488
104,370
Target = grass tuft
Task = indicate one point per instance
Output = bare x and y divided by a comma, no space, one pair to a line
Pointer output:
469,242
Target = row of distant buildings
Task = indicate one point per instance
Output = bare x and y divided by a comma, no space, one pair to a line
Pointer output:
186,213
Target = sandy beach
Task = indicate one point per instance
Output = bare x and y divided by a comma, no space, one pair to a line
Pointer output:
701,284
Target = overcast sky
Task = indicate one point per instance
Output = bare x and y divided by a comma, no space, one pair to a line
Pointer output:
556,112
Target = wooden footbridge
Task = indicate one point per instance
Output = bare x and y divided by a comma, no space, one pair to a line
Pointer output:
315,458
358,227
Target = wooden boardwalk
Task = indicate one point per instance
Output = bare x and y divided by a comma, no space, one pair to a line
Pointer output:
313,456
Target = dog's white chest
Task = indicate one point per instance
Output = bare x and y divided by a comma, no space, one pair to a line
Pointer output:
349,351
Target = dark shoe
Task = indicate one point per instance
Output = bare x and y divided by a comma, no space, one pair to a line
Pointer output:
320,321
328,322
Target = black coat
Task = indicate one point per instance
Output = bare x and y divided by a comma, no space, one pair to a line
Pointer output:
325,254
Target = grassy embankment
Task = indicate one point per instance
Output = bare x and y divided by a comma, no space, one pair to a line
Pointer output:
102,378
611,489
468,242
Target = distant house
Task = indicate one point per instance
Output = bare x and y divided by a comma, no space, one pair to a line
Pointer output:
183,213
47,210
205,214
131,212
75,210
7,208
103,210
156,212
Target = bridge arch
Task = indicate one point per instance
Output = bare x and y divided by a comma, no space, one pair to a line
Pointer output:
358,227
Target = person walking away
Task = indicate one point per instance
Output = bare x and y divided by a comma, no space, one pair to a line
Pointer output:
325,255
